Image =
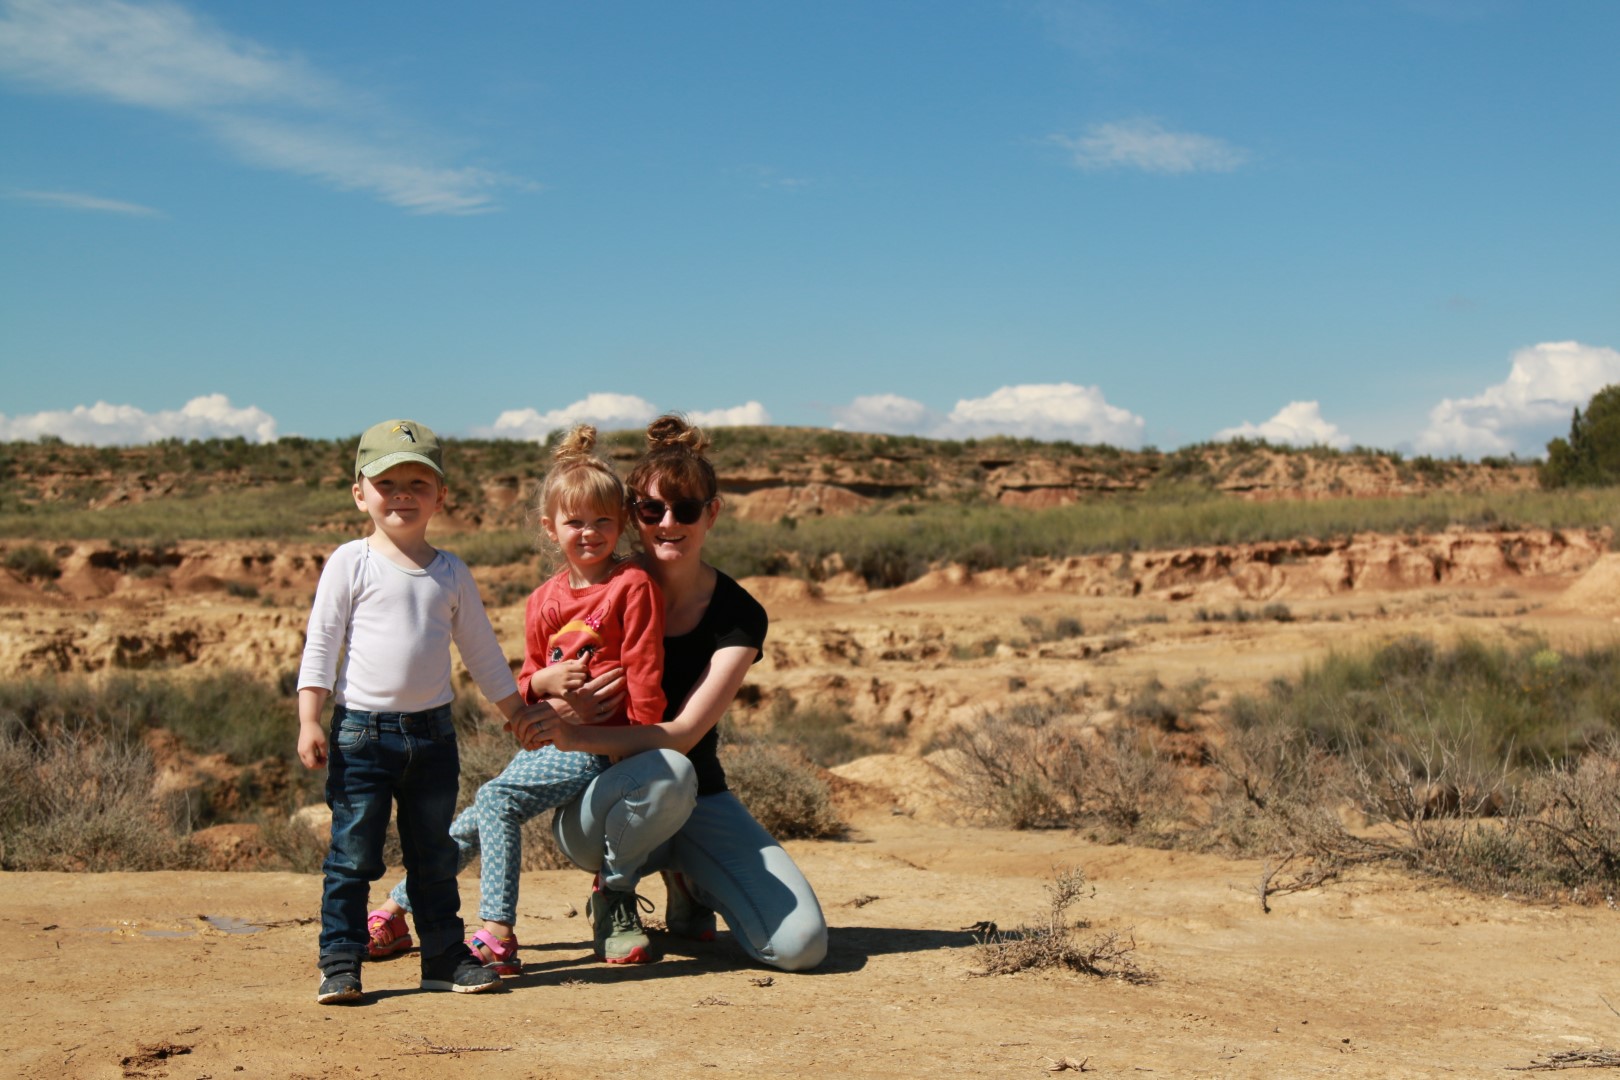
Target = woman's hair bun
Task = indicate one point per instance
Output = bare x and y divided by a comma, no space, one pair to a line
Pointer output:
671,431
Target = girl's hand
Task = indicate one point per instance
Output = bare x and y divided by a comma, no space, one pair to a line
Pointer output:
559,679
595,700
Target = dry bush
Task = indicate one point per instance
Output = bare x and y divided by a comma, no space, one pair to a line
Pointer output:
783,790
1055,942
1572,817
81,802
293,846
1456,809
1276,800
1028,766
1421,779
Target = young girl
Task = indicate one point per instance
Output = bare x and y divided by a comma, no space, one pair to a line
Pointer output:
597,614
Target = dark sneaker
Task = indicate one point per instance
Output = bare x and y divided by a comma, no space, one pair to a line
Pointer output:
684,916
340,982
616,926
458,971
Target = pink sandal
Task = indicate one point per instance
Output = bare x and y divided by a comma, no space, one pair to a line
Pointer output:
388,934
497,954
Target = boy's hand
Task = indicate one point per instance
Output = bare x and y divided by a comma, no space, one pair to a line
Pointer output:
311,732
523,726
312,745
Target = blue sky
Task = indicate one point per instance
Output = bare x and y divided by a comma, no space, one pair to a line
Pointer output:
1384,222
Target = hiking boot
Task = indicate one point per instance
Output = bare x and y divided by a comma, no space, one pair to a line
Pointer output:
616,926
459,971
684,916
340,983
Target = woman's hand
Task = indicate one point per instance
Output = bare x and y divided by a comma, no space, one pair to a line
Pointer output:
595,701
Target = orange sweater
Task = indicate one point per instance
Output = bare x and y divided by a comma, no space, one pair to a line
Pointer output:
619,623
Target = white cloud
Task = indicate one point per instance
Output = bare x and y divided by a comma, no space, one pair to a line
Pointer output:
102,424
1145,144
72,200
1050,411
888,414
610,412
1299,423
272,110
1036,411
752,414
1534,403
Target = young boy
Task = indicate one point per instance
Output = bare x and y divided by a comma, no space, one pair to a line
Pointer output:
394,603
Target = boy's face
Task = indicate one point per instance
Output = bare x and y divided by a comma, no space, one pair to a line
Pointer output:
404,497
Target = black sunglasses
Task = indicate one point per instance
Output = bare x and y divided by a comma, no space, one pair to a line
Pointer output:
687,511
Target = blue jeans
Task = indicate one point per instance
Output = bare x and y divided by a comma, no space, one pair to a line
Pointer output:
643,815
373,760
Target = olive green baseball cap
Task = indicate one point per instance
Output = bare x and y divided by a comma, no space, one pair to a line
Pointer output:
394,442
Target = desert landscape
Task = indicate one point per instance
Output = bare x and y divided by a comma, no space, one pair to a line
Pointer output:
1375,973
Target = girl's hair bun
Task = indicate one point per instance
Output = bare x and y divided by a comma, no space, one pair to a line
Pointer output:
580,442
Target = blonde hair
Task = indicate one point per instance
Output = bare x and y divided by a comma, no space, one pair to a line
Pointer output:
676,461
581,479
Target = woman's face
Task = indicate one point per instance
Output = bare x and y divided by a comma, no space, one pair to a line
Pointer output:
665,537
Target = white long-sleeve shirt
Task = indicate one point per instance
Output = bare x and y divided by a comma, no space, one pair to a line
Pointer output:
393,627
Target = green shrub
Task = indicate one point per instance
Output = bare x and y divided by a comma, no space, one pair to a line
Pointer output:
33,563
1526,710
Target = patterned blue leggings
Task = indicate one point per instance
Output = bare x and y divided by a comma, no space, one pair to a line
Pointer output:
533,782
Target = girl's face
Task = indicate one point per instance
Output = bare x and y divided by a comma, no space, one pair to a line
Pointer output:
587,537
664,535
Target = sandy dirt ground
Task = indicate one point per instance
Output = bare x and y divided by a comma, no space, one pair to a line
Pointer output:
204,975
210,976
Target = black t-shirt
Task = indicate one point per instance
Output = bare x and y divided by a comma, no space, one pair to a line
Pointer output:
733,618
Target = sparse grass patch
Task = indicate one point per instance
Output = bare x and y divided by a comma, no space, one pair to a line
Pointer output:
827,735
1059,628
494,547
